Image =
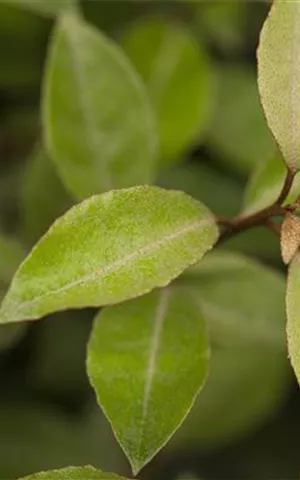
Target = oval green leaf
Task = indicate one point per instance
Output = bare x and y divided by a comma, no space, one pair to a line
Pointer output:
177,71
99,126
74,473
239,136
293,315
242,300
147,360
110,248
266,184
279,77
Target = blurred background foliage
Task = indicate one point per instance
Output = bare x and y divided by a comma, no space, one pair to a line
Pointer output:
198,62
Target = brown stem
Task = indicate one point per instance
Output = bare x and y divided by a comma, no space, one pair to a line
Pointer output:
230,227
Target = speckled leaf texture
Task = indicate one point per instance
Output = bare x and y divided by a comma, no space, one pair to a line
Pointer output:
110,248
147,360
99,125
279,77
293,314
74,473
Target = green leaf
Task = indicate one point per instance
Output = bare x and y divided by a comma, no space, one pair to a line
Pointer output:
149,355
239,135
177,71
99,125
43,197
279,77
43,7
266,184
242,300
74,473
110,248
293,309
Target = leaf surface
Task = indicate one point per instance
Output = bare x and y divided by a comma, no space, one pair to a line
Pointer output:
99,125
147,360
110,248
279,77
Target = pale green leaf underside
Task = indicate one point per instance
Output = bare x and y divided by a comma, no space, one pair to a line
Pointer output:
99,126
110,248
43,7
279,77
74,473
293,314
265,186
242,300
147,360
170,60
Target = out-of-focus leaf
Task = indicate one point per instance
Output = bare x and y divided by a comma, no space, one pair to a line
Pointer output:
265,186
178,74
43,7
99,125
242,300
279,77
35,438
43,197
74,473
110,248
243,304
151,356
221,193
239,134
245,387
293,316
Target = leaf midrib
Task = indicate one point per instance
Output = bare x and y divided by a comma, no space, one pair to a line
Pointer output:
121,262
